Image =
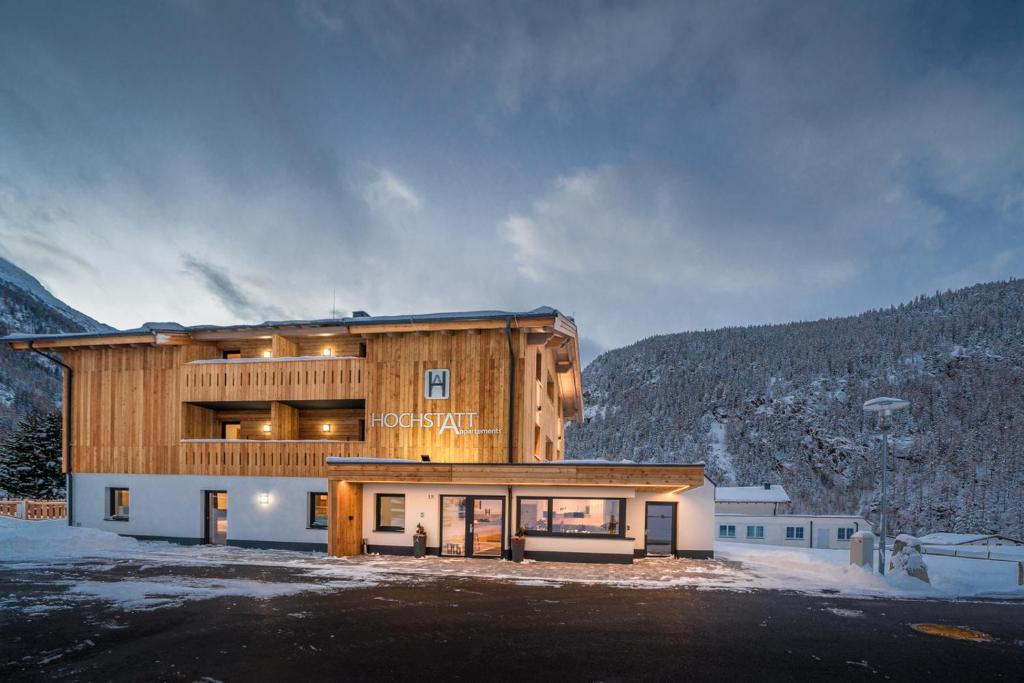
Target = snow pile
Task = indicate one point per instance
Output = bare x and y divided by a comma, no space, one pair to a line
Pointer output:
907,560
816,570
22,540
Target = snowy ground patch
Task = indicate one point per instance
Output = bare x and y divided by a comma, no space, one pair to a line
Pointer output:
50,566
816,570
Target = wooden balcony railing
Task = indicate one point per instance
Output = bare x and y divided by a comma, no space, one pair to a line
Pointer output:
274,379
263,457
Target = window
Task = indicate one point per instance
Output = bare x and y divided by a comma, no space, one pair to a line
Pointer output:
794,533
117,504
573,516
390,512
844,534
755,532
231,430
727,530
229,355
318,511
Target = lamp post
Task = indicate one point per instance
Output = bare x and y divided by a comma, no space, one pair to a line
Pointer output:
885,408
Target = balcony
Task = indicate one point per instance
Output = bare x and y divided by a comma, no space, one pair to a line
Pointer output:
277,458
309,378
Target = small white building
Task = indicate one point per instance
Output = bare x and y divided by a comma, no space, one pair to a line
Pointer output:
989,540
756,514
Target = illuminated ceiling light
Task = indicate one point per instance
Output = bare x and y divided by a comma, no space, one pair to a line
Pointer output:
264,499
328,351
326,427
266,354
681,488
266,426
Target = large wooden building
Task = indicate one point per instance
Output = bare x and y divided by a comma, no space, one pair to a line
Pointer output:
345,434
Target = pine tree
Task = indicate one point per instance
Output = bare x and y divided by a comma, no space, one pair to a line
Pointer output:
30,458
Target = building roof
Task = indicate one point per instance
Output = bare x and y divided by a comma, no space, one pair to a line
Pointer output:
946,538
751,494
357,319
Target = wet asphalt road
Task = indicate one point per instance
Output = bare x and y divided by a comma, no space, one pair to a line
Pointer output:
468,629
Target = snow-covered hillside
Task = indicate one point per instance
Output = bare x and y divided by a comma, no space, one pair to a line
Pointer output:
28,383
782,404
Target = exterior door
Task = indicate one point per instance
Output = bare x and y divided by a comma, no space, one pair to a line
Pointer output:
660,531
216,517
472,526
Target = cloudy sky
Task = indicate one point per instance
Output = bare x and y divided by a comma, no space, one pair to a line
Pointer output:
650,167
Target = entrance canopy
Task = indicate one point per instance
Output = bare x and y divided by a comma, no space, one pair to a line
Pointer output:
651,477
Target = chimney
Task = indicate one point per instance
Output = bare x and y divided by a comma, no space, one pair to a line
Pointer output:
767,486
360,314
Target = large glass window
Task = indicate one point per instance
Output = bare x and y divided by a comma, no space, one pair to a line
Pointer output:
573,516
318,510
533,514
390,512
117,505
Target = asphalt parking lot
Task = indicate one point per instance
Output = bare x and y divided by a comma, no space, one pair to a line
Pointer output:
460,628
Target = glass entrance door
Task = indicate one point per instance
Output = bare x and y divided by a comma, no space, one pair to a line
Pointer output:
472,526
216,505
487,525
660,529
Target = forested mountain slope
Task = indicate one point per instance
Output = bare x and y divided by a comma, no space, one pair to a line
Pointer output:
782,404
27,382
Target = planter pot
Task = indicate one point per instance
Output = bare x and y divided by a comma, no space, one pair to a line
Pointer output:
518,548
419,545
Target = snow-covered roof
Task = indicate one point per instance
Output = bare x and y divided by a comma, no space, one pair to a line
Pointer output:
751,494
948,538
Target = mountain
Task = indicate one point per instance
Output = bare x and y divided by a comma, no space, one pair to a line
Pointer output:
782,404
27,382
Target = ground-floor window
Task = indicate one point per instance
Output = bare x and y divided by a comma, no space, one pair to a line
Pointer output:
755,532
117,504
572,516
390,512
844,534
794,533
317,510
727,530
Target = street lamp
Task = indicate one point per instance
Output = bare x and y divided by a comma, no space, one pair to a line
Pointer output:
884,407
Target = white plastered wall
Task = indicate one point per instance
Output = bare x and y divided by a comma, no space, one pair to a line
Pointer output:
171,506
695,518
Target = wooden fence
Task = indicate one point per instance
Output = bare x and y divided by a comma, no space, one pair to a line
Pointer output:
33,509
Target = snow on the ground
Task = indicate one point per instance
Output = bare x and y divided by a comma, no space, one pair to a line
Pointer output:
719,450
156,574
816,570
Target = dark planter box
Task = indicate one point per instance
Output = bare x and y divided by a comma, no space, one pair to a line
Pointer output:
518,549
419,545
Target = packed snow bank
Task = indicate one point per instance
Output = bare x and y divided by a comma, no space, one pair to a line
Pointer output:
816,570
22,540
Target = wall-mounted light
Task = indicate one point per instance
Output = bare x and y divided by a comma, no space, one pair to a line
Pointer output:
326,427
266,427
263,498
328,351
266,354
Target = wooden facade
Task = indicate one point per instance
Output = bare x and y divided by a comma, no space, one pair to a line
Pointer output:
157,403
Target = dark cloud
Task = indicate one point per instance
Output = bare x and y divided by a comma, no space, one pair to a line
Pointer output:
229,293
649,166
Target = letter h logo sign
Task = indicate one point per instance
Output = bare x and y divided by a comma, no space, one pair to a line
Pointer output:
436,384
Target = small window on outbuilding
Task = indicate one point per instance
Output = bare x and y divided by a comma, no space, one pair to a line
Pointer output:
230,355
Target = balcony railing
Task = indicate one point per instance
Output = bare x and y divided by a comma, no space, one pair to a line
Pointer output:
263,457
274,379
